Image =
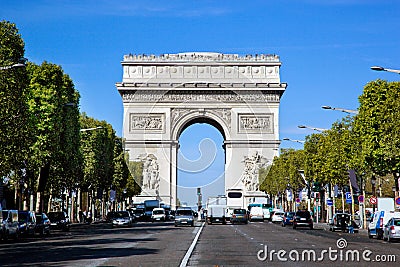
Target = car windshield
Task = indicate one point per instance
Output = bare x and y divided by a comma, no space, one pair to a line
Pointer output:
158,212
303,214
239,211
121,214
22,217
290,214
56,216
184,213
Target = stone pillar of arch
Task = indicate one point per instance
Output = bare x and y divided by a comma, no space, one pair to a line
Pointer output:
162,95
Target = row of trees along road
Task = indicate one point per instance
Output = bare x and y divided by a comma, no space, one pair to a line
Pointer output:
43,151
368,143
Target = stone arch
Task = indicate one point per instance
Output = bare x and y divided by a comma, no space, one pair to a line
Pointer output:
200,116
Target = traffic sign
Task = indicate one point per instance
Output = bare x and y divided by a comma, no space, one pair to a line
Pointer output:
398,201
348,198
373,200
297,200
329,202
361,198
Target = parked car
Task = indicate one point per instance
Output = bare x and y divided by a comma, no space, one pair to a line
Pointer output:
27,222
121,218
391,230
277,216
42,224
303,218
256,213
59,220
239,216
9,224
158,214
342,222
288,218
184,216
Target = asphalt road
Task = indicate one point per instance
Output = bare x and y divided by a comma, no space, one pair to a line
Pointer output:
162,244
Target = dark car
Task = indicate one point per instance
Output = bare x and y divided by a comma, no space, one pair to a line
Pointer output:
26,222
288,218
59,220
42,224
303,218
239,216
342,222
9,224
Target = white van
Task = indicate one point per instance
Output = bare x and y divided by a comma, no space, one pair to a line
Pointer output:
256,213
158,214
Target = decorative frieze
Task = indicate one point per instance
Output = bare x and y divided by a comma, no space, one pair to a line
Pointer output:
199,96
147,122
249,123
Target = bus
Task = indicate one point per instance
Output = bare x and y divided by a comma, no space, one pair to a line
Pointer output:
235,200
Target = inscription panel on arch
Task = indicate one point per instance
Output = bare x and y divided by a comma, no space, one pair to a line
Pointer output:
154,122
256,123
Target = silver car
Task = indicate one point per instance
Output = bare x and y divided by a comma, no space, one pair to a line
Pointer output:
392,229
184,216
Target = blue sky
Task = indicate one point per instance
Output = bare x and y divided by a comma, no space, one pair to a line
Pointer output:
326,46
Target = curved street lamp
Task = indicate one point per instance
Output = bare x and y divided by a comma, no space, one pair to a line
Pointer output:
379,68
312,128
17,65
293,140
91,129
348,111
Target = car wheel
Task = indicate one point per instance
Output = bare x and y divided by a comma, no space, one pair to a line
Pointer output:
369,234
6,235
311,227
294,226
388,239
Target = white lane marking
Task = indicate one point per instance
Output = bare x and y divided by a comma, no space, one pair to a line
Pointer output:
190,250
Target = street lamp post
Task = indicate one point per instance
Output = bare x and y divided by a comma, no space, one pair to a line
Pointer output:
348,111
293,140
373,183
379,68
312,128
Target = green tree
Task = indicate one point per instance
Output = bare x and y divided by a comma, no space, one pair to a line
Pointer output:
14,113
54,154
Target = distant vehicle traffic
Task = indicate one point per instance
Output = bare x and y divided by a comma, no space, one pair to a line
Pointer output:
391,231
184,216
42,224
149,205
303,218
158,214
216,210
239,216
59,220
277,216
27,222
288,218
121,218
256,214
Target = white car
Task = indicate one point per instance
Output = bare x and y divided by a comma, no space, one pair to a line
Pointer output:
392,230
277,217
158,214
256,213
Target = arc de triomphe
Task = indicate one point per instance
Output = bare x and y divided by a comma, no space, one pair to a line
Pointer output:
162,95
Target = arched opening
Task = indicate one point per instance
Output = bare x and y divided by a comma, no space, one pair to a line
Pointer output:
201,161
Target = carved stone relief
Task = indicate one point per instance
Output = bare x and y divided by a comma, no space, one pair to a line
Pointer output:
256,123
147,122
252,164
151,173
